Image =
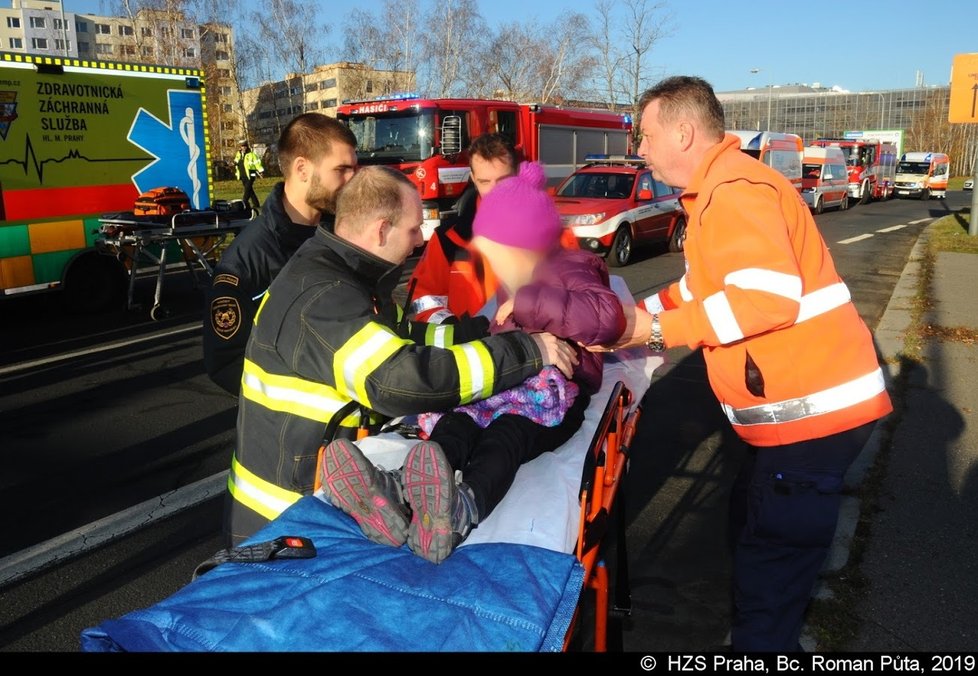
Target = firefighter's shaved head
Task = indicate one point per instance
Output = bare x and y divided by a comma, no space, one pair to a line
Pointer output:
374,192
379,210
312,136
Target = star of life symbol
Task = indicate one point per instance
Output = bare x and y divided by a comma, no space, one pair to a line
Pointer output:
180,161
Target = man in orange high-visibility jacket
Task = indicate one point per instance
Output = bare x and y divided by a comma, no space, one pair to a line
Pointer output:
450,279
787,355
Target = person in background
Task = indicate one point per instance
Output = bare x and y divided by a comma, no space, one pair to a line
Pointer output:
787,355
248,167
450,279
331,348
317,156
542,287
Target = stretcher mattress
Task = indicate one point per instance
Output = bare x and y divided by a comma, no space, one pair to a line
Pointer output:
512,586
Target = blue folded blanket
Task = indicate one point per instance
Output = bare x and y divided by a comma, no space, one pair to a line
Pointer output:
358,595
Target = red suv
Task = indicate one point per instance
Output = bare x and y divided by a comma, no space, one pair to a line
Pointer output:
614,204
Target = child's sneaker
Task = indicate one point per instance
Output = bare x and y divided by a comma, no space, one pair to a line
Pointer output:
371,495
443,513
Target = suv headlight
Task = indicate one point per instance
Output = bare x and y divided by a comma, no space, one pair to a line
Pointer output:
584,219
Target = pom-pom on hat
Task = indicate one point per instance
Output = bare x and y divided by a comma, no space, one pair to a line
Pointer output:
518,212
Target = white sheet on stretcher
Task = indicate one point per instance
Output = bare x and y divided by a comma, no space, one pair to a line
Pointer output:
541,508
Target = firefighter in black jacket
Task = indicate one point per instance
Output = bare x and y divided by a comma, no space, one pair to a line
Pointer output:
317,155
328,333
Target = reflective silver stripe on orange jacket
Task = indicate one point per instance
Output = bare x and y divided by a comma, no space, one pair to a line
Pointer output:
833,399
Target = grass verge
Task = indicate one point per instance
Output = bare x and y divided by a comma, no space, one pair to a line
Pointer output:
834,622
231,190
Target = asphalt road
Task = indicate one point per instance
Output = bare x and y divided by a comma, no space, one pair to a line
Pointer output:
100,413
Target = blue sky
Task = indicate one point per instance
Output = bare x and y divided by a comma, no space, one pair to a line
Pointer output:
855,44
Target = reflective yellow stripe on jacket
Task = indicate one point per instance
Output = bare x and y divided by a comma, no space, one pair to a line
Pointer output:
439,335
297,396
255,493
475,371
360,356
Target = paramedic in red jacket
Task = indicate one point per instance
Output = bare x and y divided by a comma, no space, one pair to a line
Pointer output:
450,279
787,354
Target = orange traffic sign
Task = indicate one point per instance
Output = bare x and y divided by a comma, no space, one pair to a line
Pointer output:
964,89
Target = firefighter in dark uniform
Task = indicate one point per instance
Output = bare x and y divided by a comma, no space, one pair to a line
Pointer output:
317,155
328,333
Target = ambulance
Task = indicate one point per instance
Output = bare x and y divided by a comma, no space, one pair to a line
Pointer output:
922,175
825,179
780,151
79,139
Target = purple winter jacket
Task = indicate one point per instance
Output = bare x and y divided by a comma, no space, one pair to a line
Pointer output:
570,297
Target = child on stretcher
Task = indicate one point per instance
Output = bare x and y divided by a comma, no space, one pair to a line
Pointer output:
456,477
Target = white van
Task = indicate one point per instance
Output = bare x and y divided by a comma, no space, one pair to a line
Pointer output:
922,175
824,178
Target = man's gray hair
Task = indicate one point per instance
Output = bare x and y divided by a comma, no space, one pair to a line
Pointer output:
684,95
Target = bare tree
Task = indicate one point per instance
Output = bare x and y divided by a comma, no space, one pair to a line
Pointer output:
386,39
455,30
564,64
609,57
527,61
294,31
626,33
509,62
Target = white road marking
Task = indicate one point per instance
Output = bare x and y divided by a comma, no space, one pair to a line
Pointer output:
892,228
921,220
112,527
23,366
857,238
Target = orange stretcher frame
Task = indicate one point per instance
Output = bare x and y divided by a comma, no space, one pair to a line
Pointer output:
604,471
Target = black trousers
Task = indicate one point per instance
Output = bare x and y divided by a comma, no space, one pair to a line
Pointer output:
248,196
783,513
489,458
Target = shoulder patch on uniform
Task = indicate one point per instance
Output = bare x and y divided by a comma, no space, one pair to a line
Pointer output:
225,316
226,279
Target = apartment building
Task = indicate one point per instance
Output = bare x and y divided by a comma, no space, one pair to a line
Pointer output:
270,106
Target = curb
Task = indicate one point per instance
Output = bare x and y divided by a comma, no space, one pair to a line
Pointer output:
79,541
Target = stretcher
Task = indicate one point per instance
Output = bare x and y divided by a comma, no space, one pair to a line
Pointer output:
526,579
198,235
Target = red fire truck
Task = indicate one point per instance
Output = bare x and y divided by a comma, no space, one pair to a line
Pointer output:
871,164
427,139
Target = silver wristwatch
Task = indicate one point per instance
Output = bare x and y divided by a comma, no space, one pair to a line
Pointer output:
655,342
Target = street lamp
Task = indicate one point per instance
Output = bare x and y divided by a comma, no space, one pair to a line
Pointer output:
770,93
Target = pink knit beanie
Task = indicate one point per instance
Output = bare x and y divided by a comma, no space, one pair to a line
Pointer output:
518,212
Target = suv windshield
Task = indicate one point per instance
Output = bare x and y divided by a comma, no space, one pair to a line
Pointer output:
393,137
609,185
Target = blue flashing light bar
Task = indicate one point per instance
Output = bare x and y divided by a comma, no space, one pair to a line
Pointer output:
398,96
614,159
